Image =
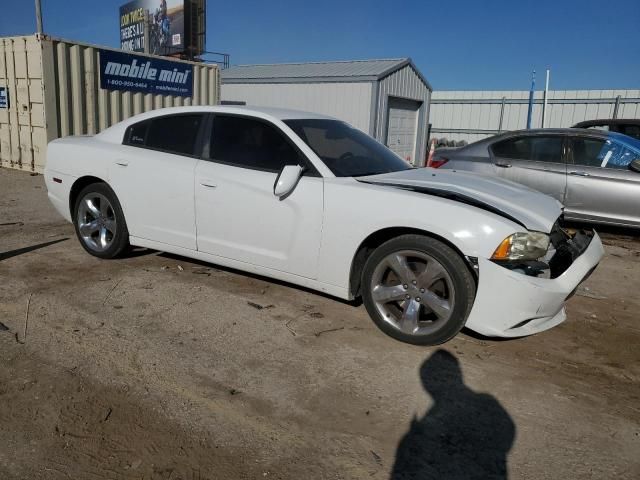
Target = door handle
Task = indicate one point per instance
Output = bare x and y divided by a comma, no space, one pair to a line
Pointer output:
579,174
208,184
122,163
503,165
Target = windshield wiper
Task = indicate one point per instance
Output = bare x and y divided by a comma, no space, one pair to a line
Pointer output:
368,174
381,173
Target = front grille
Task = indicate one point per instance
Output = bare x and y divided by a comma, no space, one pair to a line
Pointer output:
568,246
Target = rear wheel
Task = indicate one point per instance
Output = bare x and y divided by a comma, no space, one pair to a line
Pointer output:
417,290
99,221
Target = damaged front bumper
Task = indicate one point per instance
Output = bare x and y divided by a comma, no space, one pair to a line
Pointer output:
510,303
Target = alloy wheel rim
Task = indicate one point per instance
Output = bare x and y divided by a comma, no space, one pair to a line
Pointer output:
412,292
97,222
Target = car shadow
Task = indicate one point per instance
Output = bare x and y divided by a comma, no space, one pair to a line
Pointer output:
135,252
355,303
22,251
464,435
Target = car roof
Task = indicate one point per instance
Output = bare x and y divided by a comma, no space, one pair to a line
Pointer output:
536,131
542,131
115,133
608,121
582,132
277,113
556,131
564,131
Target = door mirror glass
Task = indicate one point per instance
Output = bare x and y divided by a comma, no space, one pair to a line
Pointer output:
635,165
287,180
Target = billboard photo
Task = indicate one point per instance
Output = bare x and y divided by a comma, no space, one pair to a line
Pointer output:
166,26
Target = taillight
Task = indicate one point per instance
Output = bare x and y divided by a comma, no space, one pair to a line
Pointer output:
437,162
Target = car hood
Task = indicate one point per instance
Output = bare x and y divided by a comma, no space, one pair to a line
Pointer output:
525,206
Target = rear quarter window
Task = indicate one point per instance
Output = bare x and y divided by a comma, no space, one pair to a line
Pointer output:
137,134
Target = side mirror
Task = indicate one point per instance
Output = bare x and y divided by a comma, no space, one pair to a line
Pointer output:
635,165
287,180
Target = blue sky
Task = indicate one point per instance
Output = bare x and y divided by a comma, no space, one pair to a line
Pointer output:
457,44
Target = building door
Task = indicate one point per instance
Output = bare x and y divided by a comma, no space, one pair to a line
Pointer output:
402,127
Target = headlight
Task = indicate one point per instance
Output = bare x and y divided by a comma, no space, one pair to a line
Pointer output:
522,246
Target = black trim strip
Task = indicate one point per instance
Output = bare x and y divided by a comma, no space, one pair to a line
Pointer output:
456,197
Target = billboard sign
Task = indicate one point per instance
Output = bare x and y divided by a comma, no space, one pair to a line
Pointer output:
166,26
138,73
4,97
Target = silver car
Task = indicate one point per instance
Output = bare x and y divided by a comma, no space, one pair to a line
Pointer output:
595,174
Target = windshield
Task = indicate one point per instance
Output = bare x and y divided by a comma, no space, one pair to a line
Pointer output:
347,151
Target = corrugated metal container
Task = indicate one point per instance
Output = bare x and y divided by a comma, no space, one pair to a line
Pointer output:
54,91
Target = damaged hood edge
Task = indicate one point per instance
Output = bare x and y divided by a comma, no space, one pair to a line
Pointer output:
520,204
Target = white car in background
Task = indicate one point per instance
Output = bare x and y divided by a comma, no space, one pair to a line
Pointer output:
310,200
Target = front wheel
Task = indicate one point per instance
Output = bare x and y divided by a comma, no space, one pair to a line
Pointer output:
99,222
417,290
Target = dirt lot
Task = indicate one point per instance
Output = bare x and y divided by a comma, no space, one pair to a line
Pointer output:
159,367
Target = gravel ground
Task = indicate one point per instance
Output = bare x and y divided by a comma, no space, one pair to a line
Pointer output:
160,367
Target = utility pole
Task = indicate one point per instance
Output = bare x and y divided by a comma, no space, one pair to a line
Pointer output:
544,103
533,87
38,18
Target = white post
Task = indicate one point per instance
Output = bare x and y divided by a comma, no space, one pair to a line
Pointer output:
38,18
544,103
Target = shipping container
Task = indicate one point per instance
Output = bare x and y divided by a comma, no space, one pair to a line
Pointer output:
51,88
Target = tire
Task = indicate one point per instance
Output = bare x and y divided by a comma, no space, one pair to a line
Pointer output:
417,290
98,210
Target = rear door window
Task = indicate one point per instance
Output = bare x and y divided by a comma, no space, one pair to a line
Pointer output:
594,152
538,148
174,133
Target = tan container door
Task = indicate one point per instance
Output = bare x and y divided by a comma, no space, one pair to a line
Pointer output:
23,124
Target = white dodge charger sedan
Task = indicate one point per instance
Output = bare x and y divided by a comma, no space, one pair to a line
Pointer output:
310,200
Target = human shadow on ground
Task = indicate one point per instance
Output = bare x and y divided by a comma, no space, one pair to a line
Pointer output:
464,435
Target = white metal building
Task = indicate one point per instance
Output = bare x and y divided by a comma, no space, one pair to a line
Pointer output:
388,99
474,115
